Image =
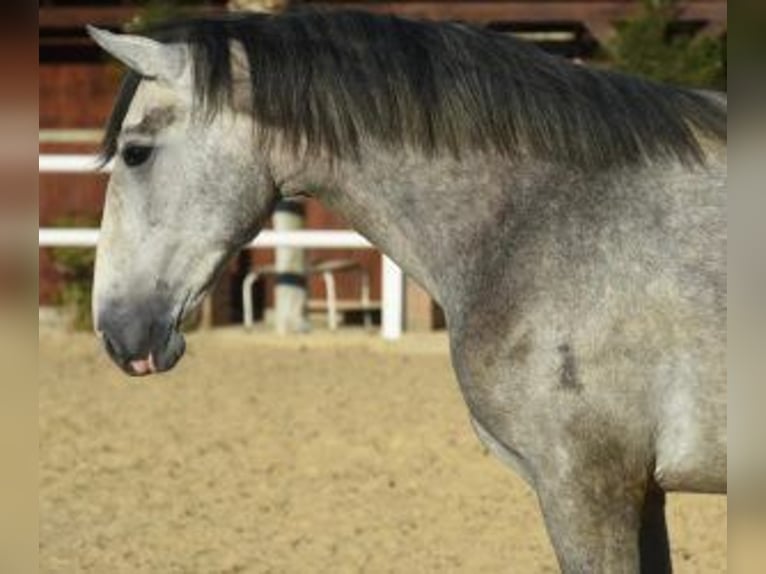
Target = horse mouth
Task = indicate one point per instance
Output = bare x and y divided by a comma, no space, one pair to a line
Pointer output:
159,360
145,337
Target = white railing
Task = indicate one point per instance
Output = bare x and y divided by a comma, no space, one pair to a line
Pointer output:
71,163
392,303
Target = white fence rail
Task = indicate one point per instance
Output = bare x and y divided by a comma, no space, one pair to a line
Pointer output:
71,163
392,303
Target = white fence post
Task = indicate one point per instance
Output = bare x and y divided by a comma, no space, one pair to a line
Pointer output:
291,288
393,300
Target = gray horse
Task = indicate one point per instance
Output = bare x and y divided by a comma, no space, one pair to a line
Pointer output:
571,223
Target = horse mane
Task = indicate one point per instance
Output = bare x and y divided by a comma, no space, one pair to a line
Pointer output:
328,81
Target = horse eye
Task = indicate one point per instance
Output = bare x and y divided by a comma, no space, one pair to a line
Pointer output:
135,155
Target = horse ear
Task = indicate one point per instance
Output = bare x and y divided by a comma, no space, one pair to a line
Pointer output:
148,57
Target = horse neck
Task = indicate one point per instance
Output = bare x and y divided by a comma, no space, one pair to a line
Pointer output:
429,214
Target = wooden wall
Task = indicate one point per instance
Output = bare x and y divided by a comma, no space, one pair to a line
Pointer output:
71,96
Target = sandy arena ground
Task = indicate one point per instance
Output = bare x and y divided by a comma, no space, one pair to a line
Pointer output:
319,454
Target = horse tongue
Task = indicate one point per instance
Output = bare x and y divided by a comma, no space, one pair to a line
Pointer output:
143,366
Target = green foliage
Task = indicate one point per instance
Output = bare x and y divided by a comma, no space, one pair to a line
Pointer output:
646,47
75,264
156,11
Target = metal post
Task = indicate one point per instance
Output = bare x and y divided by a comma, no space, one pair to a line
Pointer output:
393,299
247,299
332,301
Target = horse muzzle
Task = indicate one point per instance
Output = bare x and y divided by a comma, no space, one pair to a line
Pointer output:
141,341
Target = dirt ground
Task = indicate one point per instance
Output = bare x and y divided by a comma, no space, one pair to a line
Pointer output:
318,454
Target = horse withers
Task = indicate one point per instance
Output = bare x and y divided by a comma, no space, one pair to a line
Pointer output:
571,223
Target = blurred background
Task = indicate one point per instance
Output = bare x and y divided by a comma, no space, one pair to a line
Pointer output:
305,442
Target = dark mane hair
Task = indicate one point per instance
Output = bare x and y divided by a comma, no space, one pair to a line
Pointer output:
329,80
